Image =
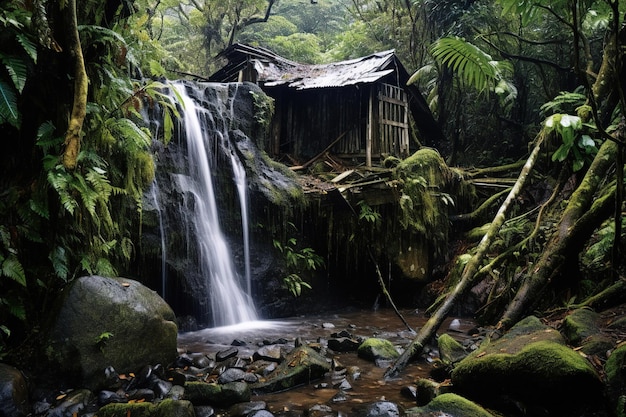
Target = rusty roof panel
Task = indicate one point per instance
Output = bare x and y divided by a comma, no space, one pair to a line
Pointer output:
302,76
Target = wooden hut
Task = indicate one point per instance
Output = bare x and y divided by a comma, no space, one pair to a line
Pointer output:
357,109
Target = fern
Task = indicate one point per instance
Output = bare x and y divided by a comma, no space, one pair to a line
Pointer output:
476,68
12,268
8,104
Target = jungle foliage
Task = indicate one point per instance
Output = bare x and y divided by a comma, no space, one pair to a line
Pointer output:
496,82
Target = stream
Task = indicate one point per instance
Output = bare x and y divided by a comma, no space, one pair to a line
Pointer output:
369,387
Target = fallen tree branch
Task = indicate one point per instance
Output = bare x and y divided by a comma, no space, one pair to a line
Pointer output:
568,233
467,278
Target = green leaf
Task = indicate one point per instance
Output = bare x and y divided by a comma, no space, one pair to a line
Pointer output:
8,104
561,153
29,46
12,268
475,67
16,67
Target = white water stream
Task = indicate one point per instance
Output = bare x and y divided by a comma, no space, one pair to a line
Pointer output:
230,303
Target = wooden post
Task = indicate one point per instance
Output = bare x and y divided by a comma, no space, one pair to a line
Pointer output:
370,129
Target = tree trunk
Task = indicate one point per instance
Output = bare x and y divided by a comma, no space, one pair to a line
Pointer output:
79,107
567,234
467,278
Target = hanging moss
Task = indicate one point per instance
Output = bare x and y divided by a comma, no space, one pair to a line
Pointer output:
427,189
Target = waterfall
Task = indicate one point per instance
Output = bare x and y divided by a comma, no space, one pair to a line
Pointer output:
219,297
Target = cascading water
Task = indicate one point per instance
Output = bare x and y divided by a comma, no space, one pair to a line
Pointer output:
194,226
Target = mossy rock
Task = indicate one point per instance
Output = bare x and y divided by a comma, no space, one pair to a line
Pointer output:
450,351
615,370
166,408
530,364
374,348
579,325
449,405
301,366
202,393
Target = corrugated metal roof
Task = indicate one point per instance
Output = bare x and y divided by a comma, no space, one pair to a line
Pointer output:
301,77
274,70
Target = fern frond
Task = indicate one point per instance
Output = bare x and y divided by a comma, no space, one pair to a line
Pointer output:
12,268
29,46
58,258
17,69
8,104
475,67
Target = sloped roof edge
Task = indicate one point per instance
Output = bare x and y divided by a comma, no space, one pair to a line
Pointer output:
274,70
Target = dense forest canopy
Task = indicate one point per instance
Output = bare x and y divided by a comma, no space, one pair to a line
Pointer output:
498,75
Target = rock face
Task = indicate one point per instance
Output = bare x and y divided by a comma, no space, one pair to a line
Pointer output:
530,364
101,322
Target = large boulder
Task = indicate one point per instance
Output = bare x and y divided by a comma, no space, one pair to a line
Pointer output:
13,392
530,364
102,322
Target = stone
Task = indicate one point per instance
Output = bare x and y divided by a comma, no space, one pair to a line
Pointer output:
13,392
579,325
100,322
374,349
165,408
77,402
301,366
379,409
615,370
343,344
268,353
202,393
231,375
226,354
449,405
244,409
532,365
450,351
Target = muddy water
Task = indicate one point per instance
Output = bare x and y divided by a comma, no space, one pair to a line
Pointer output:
369,387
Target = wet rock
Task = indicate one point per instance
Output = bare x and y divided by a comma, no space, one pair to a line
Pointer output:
260,413
343,333
226,354
204,411
269,353
339,397
176,393
450,351
449,405
328,326
100,322
343,344
409,392
13,392
238,342
320,410
202,393
373,349
231,375
243,409
166,408
343,385
107,397
530,364
379,409
73,403
142,394
301,366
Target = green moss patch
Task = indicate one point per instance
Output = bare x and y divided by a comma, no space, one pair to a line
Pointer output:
531,364
374,348
450,405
